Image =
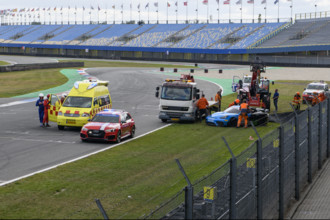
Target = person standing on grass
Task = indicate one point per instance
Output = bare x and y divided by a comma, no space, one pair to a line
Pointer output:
202,105
275,98
40,104
218,97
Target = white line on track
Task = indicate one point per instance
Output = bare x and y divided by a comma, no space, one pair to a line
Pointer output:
39,140
17,132
18,102
79,158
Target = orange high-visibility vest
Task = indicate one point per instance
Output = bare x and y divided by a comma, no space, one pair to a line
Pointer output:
202,103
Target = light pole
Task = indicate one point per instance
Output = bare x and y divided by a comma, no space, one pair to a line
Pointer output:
315,9
265,14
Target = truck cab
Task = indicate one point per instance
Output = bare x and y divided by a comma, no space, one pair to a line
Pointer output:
177,100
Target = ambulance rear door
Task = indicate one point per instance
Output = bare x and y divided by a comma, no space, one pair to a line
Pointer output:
55,104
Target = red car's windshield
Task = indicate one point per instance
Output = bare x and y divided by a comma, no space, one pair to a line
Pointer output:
106,118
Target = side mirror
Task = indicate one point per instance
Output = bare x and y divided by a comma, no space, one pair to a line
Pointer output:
157,94
157,88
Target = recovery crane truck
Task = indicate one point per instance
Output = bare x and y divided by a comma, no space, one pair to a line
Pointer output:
177,99
257,93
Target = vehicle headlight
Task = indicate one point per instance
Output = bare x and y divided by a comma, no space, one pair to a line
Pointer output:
187,115
84,129
110,130
162,113
59,113
85,115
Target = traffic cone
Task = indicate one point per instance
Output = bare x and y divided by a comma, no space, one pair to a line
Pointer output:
251,138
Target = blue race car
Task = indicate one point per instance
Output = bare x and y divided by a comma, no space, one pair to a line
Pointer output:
229,117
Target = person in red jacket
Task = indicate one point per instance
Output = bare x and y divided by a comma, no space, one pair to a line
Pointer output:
202,105
244,111
46,106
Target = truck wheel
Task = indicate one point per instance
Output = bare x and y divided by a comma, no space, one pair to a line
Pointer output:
60,127
164,120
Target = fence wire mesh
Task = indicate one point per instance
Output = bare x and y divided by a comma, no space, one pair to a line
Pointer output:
289,161
246,202
315,137
220,180
303,149
270,177
308,129
324,130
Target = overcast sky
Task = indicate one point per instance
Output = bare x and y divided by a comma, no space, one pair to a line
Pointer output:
299,6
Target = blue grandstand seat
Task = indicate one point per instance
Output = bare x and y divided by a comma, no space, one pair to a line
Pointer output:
155,35
200,36
110,35
207,36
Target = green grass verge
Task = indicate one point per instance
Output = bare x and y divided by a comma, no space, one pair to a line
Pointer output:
143,169
22,82
92,63
3,63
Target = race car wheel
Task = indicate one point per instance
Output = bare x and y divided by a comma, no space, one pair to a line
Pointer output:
118,139
60,127
232,122
164,120
132,132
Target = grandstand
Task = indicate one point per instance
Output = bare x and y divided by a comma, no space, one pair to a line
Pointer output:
207,42
195,36
301,33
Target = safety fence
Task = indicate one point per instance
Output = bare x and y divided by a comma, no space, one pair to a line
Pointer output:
265,179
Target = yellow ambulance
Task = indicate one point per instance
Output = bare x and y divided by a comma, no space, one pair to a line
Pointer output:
85,99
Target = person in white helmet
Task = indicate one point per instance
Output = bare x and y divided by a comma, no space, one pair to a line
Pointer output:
40,104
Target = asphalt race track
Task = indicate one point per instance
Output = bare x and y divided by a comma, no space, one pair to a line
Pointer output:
26,148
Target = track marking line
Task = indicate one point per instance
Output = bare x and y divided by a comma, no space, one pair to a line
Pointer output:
81,157
18,102
16,132
38,140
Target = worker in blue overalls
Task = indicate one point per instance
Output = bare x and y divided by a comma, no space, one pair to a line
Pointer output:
40,104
